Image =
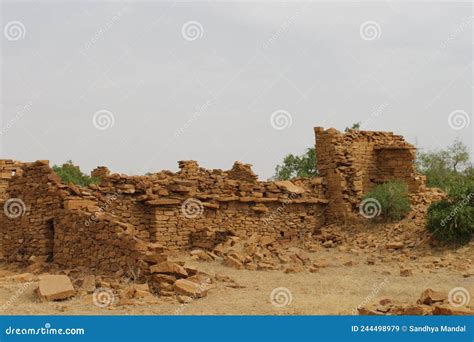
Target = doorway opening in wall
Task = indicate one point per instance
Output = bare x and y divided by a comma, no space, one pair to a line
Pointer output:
49,236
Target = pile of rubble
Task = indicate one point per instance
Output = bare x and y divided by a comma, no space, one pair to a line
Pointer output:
430,303
171,279
421,201
261,253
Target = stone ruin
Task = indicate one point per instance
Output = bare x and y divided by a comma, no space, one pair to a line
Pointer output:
134,220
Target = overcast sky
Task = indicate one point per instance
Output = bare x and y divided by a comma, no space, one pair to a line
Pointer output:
139,86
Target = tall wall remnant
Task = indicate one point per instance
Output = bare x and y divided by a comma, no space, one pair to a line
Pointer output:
130,220
354,162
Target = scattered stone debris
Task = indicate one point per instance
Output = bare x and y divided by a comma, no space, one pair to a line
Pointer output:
430,303
257,253
170,278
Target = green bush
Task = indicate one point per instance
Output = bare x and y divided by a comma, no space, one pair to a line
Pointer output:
389,200
302,166
452,220
70,173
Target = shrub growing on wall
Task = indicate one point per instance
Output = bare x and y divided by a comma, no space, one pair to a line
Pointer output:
452,220
70,173
389,200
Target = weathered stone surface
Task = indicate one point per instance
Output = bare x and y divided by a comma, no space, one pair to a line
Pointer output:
168,267
430,296
55,287
394,245
189,288
451,310
406,272
290,187
233,262
88,284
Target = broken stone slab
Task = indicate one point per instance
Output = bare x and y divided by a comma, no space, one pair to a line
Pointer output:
163,202
55,287
189,288
430,296
184,299
394,245
406,272
77,204
294,269
88,284
230,261
452,311
290,187
168,267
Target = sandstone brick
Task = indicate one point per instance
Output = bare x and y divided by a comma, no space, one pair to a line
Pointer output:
189,288
55,287
168,267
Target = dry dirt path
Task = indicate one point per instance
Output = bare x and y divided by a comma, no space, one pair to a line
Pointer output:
333,290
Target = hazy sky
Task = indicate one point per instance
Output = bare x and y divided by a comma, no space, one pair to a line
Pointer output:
139,86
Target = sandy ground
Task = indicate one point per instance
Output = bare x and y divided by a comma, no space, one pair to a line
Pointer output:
334,290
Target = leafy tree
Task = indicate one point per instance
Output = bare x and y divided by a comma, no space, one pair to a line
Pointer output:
355,126
389,199
445,168
302,166
297,166
70,173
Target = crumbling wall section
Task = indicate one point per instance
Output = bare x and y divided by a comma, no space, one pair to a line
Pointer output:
32,200
177,209
107,245
354,162
8,169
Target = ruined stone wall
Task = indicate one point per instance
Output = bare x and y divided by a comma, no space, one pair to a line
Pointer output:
8,169
32,200
194,204
107,245
295,221
77,226
352,163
